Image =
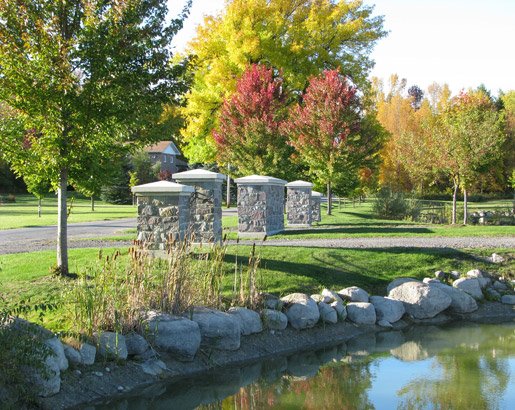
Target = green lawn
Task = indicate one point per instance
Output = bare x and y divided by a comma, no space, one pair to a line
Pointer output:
283,270
24,212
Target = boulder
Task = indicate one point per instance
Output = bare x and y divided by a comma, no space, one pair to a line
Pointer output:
470,286
88,354
250,321
430,280
476,273
319,298
461,302
327,313
136,344
508,299
341,311
72,354
111,345
496,258
273,319
492,294
271,301
361,313
420,300
388,309
500,286
57,347
218,330
302,311
176,335
454,274
440,275
354,294
332,296
399,281
47,382
484,282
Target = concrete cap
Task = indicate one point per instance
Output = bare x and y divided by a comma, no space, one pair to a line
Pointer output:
260,180
299,184
162,187
199,175
316,193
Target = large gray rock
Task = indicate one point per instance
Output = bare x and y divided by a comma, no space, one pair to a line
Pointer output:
320,298
301,310
250,321
111,345
388,309
274,320
327,313
72,355
500,286
176,335
48,382
508,299
461,302
57,347
218,330
341,311
354,294
332,296
476,273
136,344
492,294
88,354
361,313
399,281
420,300
470,286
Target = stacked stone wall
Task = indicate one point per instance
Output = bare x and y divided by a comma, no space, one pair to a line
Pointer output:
298,206
162,218
206,212
260,208
316,215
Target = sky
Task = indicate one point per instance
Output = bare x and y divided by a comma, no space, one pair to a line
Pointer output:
463,43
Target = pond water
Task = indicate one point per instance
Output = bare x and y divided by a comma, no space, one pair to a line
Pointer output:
466,366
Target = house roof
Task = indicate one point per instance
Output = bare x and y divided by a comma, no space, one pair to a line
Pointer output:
164,147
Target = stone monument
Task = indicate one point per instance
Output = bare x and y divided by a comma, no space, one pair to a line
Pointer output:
298,204
260,206
316,199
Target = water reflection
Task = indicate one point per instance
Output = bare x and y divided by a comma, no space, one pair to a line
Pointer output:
460,367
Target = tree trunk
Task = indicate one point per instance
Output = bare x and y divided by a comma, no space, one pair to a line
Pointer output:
62,223
228,193
329,199
465,206
39,207
454,195
92,204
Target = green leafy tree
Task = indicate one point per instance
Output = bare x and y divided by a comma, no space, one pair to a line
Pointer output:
89,78
470,138
299,37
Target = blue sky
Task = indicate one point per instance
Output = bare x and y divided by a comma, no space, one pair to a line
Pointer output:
459,42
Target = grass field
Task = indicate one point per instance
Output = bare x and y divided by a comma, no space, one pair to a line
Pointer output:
282,270
24,212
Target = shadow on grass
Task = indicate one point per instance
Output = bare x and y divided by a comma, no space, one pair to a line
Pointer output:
371,269
359,230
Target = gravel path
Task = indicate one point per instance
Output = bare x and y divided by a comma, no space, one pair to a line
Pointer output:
343,243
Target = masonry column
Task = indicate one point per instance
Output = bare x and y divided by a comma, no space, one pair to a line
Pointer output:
206,203
163,212
260,206
298,204
316,199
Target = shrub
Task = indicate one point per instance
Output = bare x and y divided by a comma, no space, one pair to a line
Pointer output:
390,204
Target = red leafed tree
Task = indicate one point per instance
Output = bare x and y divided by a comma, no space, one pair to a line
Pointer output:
248,136
324,129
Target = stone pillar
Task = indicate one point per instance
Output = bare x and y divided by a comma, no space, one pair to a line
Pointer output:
260,206
316,214
298,204
163,212
205,203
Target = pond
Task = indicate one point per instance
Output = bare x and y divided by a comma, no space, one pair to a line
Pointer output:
466,366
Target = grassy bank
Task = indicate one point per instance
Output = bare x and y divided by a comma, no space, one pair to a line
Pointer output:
24,212
282,270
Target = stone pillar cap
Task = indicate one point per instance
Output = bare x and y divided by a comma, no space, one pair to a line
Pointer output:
162,187
299,184
199,175
260,180
316,193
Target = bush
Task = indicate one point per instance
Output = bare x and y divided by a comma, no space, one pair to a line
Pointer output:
390,204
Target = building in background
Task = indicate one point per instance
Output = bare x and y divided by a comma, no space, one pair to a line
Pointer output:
168,155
